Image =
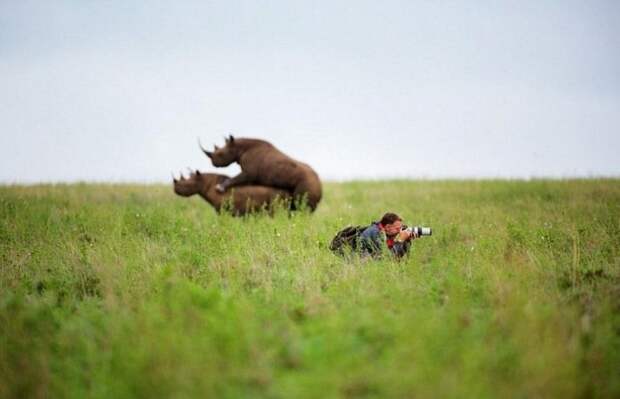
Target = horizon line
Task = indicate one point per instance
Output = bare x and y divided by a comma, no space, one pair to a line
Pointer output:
375,179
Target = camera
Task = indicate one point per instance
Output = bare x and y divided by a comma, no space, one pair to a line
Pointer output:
419,231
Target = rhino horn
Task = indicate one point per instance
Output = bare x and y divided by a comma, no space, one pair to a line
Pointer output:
207,153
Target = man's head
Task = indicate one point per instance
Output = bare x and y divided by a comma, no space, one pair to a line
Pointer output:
392,223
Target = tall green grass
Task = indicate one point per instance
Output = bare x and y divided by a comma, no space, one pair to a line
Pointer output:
118,291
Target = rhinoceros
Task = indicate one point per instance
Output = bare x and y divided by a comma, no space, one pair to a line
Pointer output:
263,164
241,200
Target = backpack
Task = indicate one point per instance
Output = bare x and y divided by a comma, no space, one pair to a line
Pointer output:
347,238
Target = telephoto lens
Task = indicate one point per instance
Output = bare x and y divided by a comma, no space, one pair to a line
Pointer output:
421,231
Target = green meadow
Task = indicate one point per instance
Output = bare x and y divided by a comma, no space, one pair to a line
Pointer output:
120,291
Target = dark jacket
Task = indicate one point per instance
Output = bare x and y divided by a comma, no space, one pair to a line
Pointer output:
373,242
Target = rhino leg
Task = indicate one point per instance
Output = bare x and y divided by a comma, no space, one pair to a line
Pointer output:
239,180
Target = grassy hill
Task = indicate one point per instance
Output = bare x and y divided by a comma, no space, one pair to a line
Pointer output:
117,291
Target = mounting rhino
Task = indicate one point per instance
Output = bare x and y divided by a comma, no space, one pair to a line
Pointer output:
242,200
262,163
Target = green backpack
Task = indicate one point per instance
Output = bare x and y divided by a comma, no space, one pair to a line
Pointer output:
347,238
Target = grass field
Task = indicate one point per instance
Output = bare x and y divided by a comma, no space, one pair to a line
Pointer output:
116,291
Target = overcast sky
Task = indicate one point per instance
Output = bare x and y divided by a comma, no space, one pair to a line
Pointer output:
121,90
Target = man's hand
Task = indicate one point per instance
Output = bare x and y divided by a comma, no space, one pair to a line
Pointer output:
406,235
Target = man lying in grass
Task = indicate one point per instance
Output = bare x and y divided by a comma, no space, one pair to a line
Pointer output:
386,233
384,236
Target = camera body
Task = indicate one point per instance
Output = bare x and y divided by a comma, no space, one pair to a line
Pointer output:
419,231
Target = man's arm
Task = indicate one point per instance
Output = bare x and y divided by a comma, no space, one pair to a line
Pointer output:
400,249
402,246
372,243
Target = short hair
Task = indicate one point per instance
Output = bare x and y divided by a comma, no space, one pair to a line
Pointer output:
390,218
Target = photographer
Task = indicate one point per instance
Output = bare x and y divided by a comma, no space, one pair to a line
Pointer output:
385,234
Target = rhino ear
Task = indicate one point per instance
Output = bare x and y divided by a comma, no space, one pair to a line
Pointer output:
231,139
197,172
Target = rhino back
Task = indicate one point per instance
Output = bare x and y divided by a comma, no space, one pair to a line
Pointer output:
269,166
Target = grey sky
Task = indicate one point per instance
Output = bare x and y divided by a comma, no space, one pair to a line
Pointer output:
120,90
